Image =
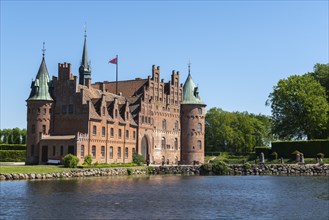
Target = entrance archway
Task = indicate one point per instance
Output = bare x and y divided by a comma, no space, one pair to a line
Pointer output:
145,148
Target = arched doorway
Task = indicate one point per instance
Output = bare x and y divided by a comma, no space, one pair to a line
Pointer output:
145,148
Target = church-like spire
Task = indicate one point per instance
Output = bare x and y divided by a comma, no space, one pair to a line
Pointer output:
40,87
85,69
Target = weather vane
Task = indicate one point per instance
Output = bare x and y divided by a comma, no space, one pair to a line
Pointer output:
43,49
189,66
85,26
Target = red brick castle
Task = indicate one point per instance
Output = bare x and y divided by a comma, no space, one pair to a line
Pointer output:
163,121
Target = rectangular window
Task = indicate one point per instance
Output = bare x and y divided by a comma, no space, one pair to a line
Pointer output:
112,132
94,130
126,152
54,150
134,150
62,150
120,134
44,111
119,152
127,134
134,135
70,109
93,151
64,109
82,152
102,151
103,131
111,152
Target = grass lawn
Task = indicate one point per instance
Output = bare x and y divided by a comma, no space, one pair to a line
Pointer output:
33,169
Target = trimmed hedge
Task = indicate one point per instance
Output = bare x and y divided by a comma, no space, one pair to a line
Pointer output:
266,150
310,148
12,155
12,146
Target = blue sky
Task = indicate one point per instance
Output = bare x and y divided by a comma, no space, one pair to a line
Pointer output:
238,49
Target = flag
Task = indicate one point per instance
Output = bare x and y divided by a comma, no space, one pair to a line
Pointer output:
114,60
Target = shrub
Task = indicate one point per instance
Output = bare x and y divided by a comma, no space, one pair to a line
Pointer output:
150,170
88,160
71,161
138,159
247,165
129,171
12,155
206,168
219,168
274,156
320,155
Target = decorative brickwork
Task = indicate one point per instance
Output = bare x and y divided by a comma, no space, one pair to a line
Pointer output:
83,118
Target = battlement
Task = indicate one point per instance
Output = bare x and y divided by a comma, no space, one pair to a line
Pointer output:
64,71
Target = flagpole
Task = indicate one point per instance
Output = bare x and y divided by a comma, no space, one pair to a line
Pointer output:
116,82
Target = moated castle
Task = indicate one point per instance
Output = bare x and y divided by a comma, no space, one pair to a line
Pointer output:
163,121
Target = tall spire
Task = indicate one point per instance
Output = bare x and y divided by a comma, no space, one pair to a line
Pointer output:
40,87
85,69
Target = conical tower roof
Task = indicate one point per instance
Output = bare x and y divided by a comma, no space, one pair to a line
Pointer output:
191,92
40,86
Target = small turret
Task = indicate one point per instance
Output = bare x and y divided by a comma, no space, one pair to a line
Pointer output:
39,106
192,123
85,69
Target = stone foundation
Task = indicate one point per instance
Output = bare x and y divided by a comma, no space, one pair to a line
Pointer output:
278,170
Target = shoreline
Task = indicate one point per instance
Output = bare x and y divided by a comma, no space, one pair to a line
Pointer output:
233,170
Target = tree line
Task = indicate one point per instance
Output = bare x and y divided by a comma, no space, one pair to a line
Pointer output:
13,136
300,110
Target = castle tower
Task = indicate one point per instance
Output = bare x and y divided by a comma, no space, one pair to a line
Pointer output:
192,124
84,69
39,106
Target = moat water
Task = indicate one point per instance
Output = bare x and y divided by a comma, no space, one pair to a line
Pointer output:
167,197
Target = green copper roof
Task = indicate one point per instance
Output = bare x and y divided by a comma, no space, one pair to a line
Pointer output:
191,92
40,86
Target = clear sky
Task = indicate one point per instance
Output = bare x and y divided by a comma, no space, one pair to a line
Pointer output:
238,49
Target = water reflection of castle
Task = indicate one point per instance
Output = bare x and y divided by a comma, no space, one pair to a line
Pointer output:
163,121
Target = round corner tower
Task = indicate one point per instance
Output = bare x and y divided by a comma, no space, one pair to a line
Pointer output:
192,124
39,106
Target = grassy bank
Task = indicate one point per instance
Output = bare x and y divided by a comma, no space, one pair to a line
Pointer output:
42,169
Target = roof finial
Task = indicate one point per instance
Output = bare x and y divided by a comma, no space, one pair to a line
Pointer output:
85,26
43,50
189,67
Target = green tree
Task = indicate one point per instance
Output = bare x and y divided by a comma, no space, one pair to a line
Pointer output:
321,74
299,108
16,136
235,132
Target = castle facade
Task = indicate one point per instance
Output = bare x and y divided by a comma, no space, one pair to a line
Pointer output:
163,121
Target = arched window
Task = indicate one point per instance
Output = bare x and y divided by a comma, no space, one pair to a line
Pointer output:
199,127
199,145
82,152
94,130
93,151
164,124
119,152
176,125
102,151
111,152
126,152
163,143
200,111
176,144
